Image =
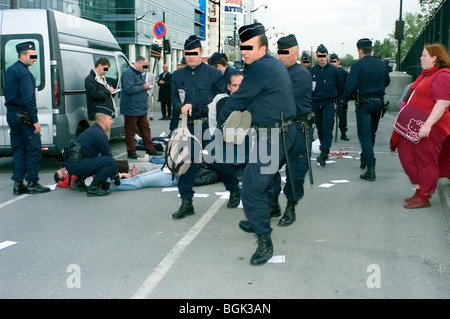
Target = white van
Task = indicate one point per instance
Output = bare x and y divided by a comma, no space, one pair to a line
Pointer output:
67,48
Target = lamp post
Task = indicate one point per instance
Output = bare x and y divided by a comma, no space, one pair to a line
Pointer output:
218,3
263,5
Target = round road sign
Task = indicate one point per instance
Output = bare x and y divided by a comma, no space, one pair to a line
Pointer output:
159,29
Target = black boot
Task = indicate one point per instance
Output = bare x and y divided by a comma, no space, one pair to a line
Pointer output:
344,137
79,185
246,226
362,164
19,188
289,215
264,251
96,189
369,175
322,159
235,197
276,209
185,209
36,188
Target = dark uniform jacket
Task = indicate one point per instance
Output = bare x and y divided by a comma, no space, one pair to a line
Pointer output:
200,86
165,89
370,75
265,92
20,93
96,93
329,82
134,99
302,86
95,142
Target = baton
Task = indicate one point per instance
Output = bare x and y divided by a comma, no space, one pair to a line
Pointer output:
306,128
337,120
284,130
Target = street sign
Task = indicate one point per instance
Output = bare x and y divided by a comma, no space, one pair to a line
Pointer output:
159,30
157,41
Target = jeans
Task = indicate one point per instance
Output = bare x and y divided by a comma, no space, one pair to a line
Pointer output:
155,178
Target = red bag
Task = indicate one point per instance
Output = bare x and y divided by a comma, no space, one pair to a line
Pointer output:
408,123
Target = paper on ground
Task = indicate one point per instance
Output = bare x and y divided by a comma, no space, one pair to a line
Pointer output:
277,259
7,243
326,185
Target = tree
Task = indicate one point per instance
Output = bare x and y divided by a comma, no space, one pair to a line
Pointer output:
414,23
386,49
347,61
429,7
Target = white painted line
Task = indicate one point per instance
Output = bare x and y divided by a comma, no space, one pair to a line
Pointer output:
7,243
15,199
160,271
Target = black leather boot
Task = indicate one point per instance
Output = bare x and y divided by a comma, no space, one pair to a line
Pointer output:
79,184
264,251
322,159
19,188
276,209
362,164
369,175
185,209
235,197
96,189
36,188
289,215
344,137
246,226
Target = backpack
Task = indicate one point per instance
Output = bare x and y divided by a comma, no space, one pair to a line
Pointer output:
181,148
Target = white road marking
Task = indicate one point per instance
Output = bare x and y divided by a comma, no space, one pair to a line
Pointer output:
160,271
7,243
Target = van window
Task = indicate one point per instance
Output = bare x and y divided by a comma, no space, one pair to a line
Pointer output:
10,57
123,64
112,76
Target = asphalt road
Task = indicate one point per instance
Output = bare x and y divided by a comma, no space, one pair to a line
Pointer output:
352,239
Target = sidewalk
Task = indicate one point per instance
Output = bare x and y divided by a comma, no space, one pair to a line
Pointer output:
444,194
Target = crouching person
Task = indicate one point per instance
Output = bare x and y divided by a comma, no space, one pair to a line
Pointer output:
90,154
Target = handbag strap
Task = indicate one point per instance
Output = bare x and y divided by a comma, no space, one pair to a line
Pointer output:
184,120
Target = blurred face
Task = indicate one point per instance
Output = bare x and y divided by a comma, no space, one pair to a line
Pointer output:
29,57
102,69
235,82
306,63
288,56
193,57
335,62
62,173
165,68
251,51
427,61
322,58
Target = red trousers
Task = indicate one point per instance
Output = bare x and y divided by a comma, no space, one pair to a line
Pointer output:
421,161
141,122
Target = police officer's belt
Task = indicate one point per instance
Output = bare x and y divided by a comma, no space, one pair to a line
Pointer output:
275,125
201,120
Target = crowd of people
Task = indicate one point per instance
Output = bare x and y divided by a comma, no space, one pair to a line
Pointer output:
286,99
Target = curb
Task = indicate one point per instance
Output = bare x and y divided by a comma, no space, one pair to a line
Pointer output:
444,196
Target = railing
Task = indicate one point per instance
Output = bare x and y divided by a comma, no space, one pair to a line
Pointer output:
436,30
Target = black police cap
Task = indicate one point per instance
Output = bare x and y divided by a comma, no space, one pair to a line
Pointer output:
106,109
249,31
321,49
287,42
29,45
192,42
363,43
334,56
216,56
305,57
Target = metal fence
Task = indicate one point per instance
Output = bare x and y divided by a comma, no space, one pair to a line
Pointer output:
436,30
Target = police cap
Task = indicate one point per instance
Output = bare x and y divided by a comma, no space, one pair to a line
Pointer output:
321,49
216,56
105,109
363,43
334,56
287,42
249,31
192,42
305,57
29,45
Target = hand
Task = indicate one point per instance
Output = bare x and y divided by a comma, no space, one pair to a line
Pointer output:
37,128
111,90
424,130
186,109
147,85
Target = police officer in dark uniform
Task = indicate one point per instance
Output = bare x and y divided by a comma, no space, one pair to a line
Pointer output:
220,62
341,106
327,86
266,92
305,60
22,117
367,80
91,154
193,88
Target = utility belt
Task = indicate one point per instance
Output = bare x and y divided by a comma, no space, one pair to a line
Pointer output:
24,118
74,151
201,120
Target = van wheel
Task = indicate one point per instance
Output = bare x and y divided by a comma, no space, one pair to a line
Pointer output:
80,129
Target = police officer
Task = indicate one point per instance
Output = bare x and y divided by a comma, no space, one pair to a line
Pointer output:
305,60
265,97
220,62
327,86
341,107
193,88
367,80
22,117
91,154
